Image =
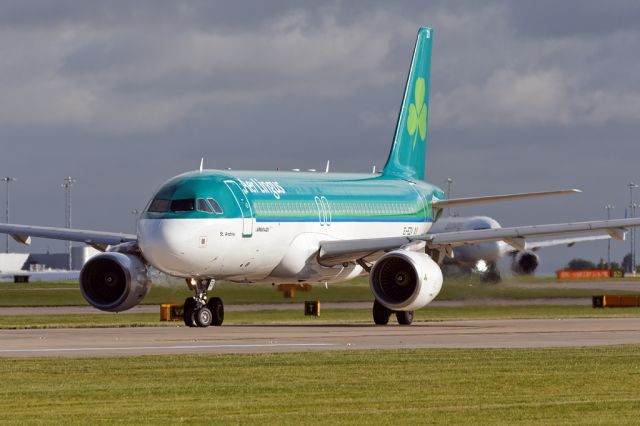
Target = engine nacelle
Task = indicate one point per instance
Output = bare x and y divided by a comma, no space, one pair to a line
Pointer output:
405,280
114,282
525,263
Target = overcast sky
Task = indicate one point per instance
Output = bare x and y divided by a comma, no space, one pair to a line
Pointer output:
525,96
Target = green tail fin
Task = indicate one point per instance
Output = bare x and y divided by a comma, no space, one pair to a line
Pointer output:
409,151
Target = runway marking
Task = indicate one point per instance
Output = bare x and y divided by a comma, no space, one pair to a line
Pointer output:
141,348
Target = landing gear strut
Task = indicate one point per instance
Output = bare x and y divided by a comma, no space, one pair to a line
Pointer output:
200,312
492,275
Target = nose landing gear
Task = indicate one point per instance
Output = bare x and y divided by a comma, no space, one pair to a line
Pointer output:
200,312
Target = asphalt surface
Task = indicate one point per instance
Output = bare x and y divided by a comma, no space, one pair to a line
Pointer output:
533,333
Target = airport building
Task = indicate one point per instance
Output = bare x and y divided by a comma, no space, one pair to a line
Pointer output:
44,265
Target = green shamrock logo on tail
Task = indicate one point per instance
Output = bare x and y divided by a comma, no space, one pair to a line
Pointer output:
417,120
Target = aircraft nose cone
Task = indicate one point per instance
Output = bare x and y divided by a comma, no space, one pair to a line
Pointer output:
489,252
164,244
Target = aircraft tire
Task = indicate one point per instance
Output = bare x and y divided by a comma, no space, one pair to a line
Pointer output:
203,317
491,277
217,310
189,311
404,317
381,313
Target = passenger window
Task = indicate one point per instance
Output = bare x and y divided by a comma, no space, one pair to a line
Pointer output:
203,206
184,205
158,205
215,206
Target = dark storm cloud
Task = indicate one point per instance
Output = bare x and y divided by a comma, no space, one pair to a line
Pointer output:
122,95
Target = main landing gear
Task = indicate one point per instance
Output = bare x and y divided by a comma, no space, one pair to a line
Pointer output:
381,315
200,311
492,275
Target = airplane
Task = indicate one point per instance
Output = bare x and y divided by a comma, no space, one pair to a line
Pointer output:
482,258
300,227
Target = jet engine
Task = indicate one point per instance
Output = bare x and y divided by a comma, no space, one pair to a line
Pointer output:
114,282
525,262
405,280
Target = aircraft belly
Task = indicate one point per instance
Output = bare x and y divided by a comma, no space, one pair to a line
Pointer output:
217,248
299,261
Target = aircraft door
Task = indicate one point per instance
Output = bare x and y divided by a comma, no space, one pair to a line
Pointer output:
423,202
324,211
245,207
327,210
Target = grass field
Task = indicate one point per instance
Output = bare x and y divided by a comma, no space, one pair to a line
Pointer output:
507,386
68,293
329,316
480,386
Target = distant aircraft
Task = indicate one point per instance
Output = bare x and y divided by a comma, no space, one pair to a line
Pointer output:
300,227
482,258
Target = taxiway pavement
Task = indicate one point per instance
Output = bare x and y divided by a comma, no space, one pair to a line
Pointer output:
531,333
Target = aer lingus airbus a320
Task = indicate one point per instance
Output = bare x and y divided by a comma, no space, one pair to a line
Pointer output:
292,227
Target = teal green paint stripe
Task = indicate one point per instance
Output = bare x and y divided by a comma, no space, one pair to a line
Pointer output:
357,220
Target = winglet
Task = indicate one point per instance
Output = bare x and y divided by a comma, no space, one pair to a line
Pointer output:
201,164
617,233
22,239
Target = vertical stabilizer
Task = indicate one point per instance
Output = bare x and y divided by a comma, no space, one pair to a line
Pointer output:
409,151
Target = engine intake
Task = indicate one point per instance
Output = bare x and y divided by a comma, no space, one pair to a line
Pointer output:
405,280
525,263
114,282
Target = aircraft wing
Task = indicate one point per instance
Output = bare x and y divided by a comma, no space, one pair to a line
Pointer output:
569,242
340,251
98,239
457,202
337,252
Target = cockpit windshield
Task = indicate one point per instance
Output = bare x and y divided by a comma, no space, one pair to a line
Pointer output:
205,205
158,205
183,205
215,206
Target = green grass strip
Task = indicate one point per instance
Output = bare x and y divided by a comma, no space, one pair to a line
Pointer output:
328,316
455,288
439,386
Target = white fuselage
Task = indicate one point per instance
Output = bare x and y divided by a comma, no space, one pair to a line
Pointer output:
470,254
275,252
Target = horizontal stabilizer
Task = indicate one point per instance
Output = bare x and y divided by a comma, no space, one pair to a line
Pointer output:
458,202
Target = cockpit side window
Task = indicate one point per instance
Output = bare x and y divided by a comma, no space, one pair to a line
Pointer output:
183,205
203,206
158,205
215,206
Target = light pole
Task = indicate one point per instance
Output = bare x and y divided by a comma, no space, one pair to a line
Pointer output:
449,182
631,186
633,240
7,180
67,184
609,207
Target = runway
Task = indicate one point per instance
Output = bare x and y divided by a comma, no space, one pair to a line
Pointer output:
532,333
